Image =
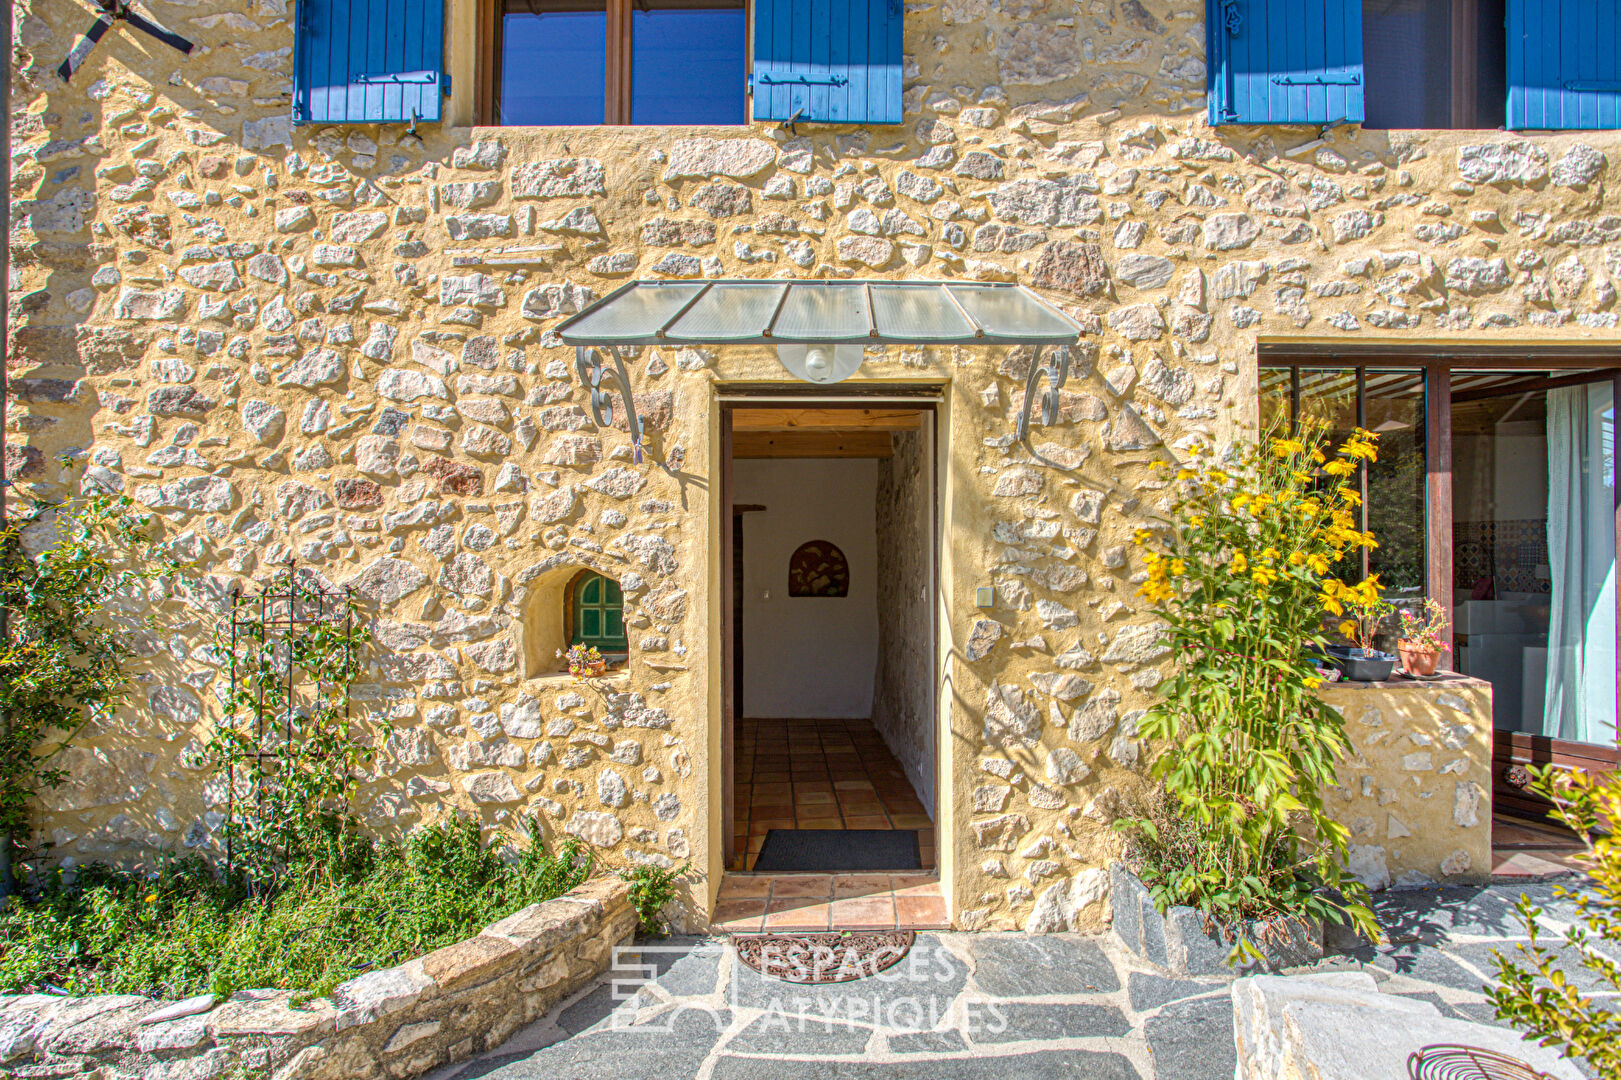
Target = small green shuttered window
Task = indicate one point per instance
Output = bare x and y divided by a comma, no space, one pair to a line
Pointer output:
369,61
599,614
1564,64
1285,61
832,61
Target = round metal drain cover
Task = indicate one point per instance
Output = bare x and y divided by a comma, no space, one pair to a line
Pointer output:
823,958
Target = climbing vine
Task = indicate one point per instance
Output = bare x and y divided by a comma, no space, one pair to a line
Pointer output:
62,654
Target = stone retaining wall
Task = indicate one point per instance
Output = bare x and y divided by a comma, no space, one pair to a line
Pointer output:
399,1022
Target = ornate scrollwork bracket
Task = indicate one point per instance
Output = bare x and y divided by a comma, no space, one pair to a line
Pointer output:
1232,16
1056,374
588,364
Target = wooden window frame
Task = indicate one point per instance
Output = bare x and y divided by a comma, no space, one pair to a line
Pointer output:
615,659
617,90
1509,748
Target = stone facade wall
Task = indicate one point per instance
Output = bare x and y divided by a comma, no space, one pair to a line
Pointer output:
903,690
398,1022
1416,791
299,343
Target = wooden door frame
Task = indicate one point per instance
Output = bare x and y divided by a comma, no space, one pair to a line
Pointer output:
1509,748
924,397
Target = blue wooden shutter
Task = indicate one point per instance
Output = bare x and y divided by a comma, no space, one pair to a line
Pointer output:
834,61
1564,64
369,61
1284,61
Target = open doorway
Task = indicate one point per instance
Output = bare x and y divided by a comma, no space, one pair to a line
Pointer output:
830,652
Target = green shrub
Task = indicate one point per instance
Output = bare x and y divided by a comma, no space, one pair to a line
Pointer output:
1540,998
183,930
652,887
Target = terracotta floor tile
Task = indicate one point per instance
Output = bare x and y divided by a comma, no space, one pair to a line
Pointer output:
801,885
920,912
810,915
734,887
864,822
916,884
863,913
739,916
848,885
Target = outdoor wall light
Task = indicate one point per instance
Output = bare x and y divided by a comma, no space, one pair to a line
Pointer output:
820,363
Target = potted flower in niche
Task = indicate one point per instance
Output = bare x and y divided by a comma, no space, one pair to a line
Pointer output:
585,662
1367,609
1422,638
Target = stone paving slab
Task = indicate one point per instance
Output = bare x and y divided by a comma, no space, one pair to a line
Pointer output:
975,1007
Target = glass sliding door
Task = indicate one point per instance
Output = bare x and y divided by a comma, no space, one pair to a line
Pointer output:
1533,526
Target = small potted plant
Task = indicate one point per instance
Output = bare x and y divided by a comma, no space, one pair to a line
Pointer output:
1421,639
584,661
1367,609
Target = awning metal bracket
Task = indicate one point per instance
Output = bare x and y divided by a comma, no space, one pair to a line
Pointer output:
1056,375
588,363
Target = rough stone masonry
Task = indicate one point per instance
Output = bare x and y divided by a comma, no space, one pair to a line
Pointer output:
291,343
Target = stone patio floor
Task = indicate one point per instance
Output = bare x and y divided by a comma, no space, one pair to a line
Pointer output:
976,1006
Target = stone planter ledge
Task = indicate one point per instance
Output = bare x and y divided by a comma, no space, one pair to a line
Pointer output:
399,1022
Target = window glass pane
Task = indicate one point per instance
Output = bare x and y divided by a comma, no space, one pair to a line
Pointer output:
1407,61
614,595
554,61
615,623
1275,401
687,62
591,591
590,623
1393,407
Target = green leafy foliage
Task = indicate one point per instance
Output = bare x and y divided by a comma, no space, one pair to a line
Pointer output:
652,887
62,654
1538,994
1242,574
182,930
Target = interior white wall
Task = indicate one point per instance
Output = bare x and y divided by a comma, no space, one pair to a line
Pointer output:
808,656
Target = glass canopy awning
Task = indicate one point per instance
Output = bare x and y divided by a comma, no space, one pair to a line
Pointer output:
756,312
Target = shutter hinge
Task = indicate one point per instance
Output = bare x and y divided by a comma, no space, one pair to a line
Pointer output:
1347,78
447,85
413,77
803,80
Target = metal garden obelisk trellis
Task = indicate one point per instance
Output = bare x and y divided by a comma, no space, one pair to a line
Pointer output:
290,643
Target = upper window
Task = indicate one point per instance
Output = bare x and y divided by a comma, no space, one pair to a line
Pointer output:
1434,63
1550,64
597,614
590,62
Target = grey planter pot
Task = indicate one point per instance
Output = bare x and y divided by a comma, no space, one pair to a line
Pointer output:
1177,942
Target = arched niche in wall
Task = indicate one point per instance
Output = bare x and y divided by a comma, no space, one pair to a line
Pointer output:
818,568
569,605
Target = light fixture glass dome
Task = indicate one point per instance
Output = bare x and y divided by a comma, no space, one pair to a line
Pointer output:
821,363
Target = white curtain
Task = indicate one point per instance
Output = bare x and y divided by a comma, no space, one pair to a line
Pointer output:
1581,563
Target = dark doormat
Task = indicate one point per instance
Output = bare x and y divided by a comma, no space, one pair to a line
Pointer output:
839,850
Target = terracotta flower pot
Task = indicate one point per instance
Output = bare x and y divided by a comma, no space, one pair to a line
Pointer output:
588,671
1417,661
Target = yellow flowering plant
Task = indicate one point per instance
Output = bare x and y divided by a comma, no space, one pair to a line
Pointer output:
1242,575
1366,608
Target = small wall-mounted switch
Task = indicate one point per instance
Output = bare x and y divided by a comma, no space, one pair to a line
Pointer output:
985,596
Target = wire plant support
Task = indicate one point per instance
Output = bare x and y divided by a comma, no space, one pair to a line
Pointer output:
292,652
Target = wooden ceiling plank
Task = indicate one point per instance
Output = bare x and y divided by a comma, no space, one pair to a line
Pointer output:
809,419
811,444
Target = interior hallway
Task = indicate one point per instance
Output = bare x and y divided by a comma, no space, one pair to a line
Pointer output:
820,774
